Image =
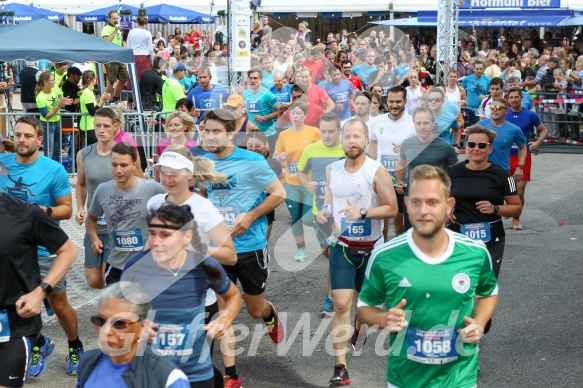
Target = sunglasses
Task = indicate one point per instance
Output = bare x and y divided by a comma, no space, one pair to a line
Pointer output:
498,107
433,99
481,145
118,325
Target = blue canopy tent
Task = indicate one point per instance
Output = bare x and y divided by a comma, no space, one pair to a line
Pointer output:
495,18
26,13
100,15
163,13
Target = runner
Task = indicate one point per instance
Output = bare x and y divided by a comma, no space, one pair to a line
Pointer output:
387,132
122,201
290,145
236,105
177,274
496,90
361,105
425,148
359,196
261,106
94,168
37,179
179,128
315,112
206,96
26,228
248,176
447,117
525,119
340,91
312,175
476,86
346,66
430,263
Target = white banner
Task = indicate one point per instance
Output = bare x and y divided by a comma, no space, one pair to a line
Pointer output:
240,48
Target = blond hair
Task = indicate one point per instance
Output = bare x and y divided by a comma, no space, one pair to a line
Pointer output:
185,119
204,168
426,172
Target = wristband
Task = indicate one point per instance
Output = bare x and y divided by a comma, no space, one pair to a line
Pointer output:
327,208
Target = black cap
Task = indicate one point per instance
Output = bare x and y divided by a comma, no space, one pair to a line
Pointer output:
74,70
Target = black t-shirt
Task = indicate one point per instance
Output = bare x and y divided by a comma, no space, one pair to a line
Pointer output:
470,186
27,84
437,152
424,79
70,90
150,84
24,227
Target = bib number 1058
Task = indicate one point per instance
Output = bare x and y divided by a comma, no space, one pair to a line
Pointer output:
432,347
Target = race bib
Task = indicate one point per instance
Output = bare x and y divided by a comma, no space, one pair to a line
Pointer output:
102,220
431,346
292,168
389,162
171,340
4,326
479,231
341,97
252,106
321,190
229,213
128,240
358,228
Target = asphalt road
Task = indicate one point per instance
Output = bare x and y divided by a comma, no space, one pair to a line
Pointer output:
537,335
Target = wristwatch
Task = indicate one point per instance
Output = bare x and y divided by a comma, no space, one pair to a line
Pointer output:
47,287
496,209
49,211
363,213
521,166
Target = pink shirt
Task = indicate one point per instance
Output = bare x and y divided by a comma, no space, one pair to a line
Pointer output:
166,142
124,137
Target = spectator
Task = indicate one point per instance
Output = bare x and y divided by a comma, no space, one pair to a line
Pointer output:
510,72
492,70
139,40
256,35
151,84
71,89
117,73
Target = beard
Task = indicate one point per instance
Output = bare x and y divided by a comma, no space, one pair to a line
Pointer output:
26,153
430,230
354,154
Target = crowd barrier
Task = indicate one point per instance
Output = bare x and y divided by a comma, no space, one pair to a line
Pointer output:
561,114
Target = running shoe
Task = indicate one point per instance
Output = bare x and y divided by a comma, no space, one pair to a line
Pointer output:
38,363
340,377
357,331
276,331
73,358
516,223
301,254
328,307
231,383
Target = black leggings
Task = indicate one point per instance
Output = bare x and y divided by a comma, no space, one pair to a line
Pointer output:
496,250
203,384
218,377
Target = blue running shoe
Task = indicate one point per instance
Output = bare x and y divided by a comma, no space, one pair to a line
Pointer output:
73,358
38,363
328,307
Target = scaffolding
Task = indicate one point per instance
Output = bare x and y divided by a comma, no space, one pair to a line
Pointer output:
447,37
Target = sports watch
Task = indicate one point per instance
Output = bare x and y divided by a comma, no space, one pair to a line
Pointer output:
496,209
521,166
49,211
363,213
47,287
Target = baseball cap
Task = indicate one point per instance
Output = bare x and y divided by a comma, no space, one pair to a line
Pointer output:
175,160
235,100
180,66
74,70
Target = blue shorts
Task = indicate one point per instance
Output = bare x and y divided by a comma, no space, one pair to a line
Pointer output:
93,260
346,270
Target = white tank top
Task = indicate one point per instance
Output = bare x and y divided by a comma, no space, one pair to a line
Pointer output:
357,188
454,96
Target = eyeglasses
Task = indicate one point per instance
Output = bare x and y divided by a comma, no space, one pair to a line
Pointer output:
481,145
433,99
498,107
347,67
118,325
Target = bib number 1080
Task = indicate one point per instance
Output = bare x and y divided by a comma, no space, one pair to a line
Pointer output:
429,347
127,240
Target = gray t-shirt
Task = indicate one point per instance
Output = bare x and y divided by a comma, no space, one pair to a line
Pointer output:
126,213
97,169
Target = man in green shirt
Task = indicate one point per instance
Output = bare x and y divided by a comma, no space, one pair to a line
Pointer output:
433,289
115,70
172,90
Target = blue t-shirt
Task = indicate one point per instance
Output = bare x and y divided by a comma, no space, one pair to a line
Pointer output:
508,135
363,71
340,94
179,303
40,182
474,88
268,79
525,120
447,120
527,102
283,95
188,81
207,99
248,174
261,104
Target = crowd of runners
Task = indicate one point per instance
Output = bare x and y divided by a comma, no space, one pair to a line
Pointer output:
404,183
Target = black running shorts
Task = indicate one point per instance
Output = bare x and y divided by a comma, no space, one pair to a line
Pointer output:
251,270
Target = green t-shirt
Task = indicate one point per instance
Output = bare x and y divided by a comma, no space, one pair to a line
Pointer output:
439,293
315,159
49,101
86,122
172,91
107,30
59,78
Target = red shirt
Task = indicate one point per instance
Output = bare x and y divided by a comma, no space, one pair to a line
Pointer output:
314,67
318,96
194,38
312,117
355,82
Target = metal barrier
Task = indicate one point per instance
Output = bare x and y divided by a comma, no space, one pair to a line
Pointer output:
560,112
